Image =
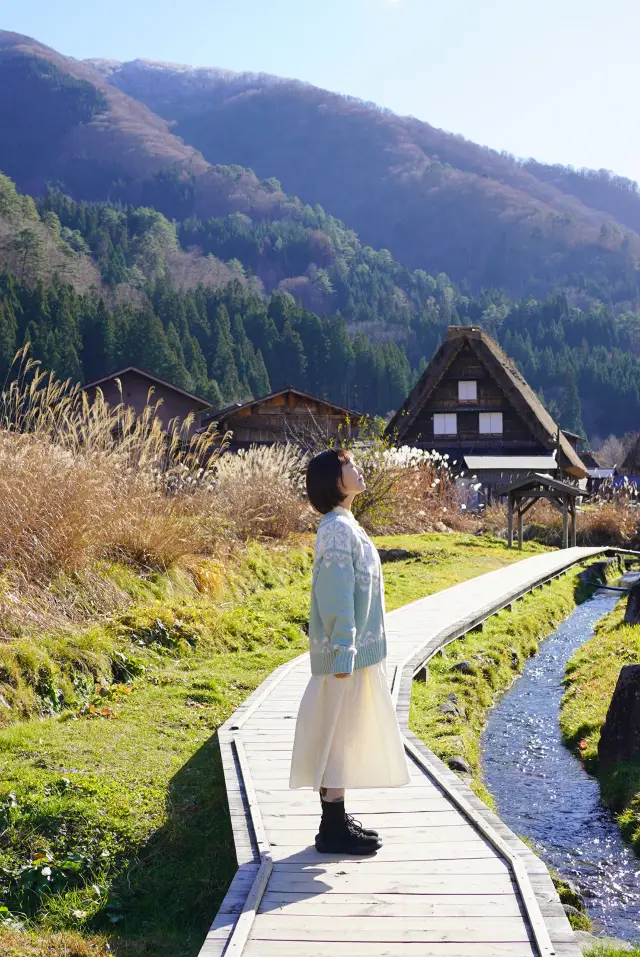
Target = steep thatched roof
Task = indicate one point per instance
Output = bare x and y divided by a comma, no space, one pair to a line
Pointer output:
510,380
631,461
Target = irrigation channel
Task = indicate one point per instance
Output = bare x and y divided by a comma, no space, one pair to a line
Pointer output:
542,791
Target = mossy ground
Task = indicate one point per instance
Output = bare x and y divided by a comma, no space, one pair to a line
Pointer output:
114,828
590,680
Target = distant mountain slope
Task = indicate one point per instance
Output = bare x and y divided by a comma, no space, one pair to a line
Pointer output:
62,122
437,201
599,189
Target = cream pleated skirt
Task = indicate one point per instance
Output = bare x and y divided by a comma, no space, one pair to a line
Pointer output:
347,734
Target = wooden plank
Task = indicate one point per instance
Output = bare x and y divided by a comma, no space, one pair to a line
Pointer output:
360,805
242,928
283,948
450,835
281,783
408,819
378,882
390,905
484,866
465,850
389,929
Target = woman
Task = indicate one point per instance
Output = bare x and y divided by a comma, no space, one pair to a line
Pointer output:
347,734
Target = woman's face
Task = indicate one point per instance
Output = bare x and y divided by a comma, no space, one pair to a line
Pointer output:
352,478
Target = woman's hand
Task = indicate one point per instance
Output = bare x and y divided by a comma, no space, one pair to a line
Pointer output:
342,676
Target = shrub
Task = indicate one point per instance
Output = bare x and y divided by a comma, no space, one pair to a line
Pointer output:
408,490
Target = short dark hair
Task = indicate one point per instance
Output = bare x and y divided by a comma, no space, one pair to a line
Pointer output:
324,472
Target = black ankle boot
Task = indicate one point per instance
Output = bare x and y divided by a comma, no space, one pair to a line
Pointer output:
338,835
367,831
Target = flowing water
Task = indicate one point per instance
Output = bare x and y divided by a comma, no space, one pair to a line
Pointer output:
542,791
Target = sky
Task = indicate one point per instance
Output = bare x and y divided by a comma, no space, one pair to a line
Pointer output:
552,79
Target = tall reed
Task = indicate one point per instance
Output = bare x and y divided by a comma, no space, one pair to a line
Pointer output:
80,480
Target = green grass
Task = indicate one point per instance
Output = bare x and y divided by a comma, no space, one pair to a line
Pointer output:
497,655
113,816
590,680
600,950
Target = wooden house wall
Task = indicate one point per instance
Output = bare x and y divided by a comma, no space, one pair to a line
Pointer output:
516,435
281,416
135,390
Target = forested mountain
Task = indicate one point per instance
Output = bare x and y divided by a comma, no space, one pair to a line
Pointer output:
600,189
229,340
436,201
133,248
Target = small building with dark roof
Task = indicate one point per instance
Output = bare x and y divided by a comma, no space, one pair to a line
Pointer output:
473,404
288,415
136,384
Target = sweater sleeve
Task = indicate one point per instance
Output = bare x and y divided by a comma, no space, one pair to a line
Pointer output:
335,588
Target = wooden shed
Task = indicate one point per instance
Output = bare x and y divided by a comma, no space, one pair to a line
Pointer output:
522,496
288,415
136,384
472,402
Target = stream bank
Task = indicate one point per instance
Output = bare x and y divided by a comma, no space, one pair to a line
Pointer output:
541,790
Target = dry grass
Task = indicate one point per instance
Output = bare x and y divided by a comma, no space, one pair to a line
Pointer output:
81,481
419,498
261,491
19,943
602,523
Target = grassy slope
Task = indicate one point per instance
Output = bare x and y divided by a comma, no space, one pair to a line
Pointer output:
138,793
591,678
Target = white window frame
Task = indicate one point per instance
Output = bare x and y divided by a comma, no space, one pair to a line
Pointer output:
491,423
445,423
467,390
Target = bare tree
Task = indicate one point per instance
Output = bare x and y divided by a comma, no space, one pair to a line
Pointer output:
615,448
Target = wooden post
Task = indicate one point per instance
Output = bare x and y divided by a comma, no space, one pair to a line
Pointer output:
519,529
574,525
565,521
510,521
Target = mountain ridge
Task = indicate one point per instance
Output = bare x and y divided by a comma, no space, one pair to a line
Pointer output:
391,177
114,147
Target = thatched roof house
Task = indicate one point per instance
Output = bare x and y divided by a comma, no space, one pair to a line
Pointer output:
631,462
472,402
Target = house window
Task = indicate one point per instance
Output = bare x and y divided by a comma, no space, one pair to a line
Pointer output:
445,423
468,391
491,423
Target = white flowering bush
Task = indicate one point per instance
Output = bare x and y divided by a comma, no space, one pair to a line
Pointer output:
408,456
408,489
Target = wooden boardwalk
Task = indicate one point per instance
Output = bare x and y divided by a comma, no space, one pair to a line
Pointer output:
451,879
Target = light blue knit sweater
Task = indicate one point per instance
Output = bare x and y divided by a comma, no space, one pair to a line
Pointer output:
346,623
